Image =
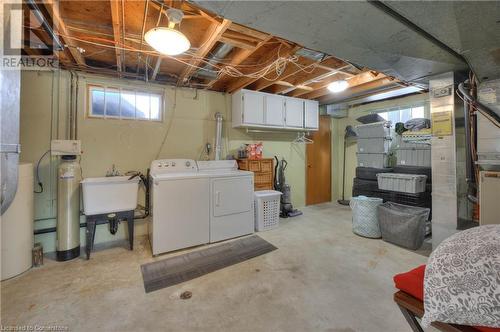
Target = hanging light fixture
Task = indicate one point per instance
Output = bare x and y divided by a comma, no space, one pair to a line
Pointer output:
168,40
338,86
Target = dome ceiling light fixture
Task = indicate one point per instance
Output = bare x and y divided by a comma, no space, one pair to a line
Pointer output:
168,40
338,86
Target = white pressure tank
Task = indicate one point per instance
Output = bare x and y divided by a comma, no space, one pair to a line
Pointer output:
68,209
17,226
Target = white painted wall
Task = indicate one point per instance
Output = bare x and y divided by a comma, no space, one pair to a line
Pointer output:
131,145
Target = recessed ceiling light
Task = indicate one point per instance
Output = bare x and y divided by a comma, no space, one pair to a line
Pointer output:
338,86
168,40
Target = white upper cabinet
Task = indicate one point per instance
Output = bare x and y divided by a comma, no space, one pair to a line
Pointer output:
248,108
274,110
311,114
294,112
265,110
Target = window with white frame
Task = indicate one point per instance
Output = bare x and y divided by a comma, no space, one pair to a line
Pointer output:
403,114
123,103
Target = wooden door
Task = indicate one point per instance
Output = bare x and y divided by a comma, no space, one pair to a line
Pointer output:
319,164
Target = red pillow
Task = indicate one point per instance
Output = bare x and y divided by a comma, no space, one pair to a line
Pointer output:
411,282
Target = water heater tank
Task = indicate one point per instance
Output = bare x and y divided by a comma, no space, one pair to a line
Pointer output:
17,226
68,209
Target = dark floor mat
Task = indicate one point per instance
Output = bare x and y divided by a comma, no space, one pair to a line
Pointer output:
172,271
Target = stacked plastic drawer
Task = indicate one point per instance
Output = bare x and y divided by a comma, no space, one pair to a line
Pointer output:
374,142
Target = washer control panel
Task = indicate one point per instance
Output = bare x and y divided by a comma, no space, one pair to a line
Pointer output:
163,166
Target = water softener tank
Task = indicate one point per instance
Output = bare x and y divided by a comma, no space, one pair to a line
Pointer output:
68,208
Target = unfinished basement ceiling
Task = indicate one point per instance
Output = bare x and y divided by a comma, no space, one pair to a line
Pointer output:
106,37
368,35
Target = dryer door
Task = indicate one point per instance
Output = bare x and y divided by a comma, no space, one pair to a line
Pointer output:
231,207
231,195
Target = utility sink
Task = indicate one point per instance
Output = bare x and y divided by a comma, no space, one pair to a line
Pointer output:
109,194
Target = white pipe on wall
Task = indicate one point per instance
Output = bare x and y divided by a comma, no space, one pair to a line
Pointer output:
218,135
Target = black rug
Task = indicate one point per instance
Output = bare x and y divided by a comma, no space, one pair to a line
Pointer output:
175,270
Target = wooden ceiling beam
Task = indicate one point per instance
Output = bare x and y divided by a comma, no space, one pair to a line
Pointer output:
298,76
248,31
61,29
240,43
239,56
202,52
356,85
117,28
242,82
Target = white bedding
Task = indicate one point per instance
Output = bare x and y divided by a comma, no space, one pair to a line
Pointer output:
462,279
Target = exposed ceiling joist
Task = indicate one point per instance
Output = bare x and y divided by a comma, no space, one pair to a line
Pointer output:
116,5
248,31
202,52
240,43
240,56
320,81
245,81
60,27
354,88
301,76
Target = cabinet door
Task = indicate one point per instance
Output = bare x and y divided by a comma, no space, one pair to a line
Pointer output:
274,110
253,108
294,112
311,113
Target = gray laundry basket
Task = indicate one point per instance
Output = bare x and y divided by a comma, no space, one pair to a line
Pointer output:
364,216
402,224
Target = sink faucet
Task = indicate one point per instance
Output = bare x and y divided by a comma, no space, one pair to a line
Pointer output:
113,172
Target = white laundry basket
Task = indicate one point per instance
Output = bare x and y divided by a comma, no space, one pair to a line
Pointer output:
267,209
365,217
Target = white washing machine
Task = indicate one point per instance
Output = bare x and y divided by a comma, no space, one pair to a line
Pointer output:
194,203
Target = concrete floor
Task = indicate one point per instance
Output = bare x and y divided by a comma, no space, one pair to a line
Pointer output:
322,278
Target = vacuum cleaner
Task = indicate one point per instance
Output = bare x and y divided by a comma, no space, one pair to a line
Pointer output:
286,207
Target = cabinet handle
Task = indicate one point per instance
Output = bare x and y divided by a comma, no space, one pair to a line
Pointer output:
217,198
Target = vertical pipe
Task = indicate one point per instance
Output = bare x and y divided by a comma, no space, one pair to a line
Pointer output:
218,135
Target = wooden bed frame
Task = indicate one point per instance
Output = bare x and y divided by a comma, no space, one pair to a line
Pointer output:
412,308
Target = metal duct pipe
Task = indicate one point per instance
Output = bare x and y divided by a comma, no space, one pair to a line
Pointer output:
468,155
489,114
218,135
219,54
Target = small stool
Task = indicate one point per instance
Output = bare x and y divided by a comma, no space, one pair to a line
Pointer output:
99,219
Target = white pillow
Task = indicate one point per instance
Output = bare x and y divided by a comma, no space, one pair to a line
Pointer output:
462,279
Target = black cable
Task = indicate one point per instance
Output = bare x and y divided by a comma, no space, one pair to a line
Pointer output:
40,184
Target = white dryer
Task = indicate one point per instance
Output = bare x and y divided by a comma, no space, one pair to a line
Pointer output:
194,203
231,199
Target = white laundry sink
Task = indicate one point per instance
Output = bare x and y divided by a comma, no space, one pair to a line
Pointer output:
109,194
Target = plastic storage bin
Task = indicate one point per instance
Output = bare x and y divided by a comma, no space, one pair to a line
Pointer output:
371,130
406,183
374,145
402,224
364,216
267,209
376,160
413,154
370,173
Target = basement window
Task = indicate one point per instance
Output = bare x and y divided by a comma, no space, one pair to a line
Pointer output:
118,103
403,114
